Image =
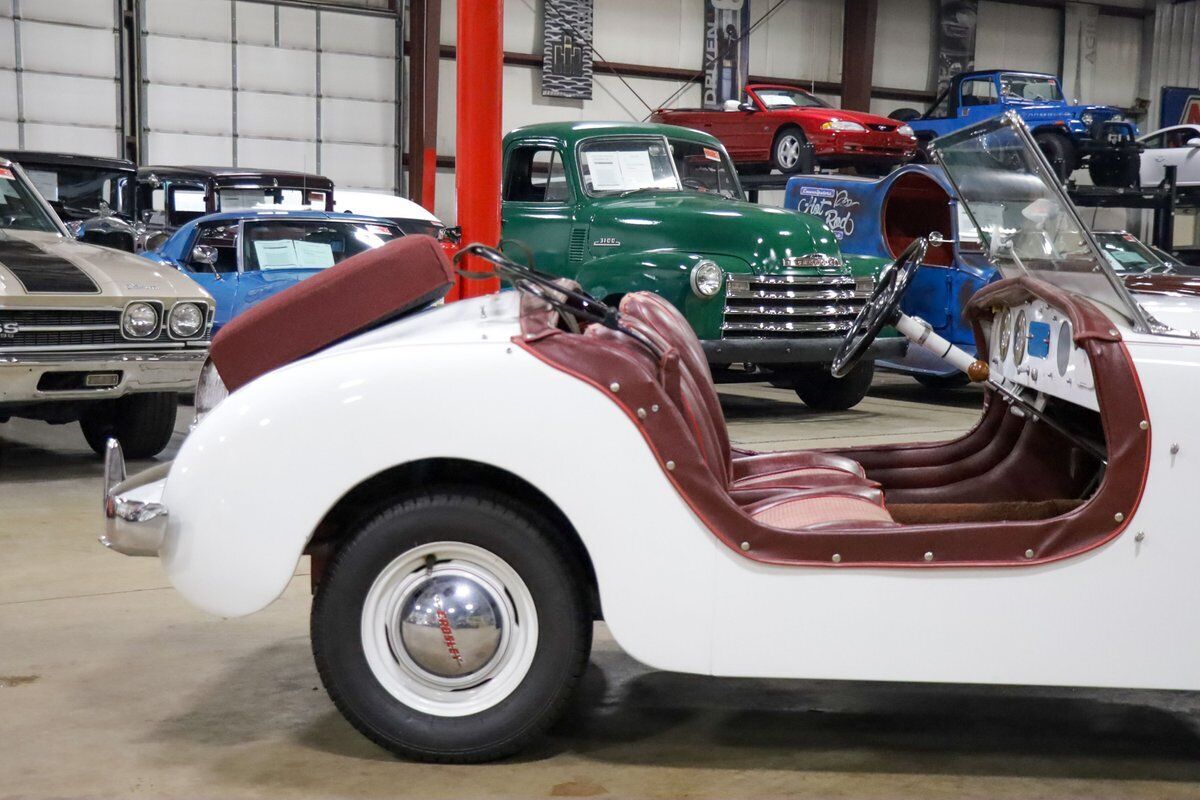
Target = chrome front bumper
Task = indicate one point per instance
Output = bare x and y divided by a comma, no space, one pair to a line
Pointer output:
135,520
175,371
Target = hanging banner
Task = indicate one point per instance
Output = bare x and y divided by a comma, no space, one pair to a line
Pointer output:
1180,106
567,49
956,23
726,50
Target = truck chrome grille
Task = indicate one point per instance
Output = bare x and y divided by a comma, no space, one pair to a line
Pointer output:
789,306
49,329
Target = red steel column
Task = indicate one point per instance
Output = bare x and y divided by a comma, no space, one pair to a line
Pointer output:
480,54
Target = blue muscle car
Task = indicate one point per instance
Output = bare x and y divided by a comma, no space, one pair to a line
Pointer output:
244,257
875,219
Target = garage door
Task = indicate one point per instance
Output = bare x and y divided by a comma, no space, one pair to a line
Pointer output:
59,76
257,84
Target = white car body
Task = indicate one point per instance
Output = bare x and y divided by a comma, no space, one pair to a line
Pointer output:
387,206
1169,147
675,597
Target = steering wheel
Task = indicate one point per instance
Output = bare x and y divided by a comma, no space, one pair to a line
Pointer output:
881,308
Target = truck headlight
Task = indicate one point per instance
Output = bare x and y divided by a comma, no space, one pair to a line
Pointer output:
841,125
185,320
1087,118
906,130
139,320
707,278
210,391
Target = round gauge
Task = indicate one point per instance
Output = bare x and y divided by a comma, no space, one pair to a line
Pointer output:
1004,333
1020,336
1064,347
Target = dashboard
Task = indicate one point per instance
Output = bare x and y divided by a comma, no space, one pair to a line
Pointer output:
1032,345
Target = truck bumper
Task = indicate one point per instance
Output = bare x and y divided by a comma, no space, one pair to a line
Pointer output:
793,351
45,377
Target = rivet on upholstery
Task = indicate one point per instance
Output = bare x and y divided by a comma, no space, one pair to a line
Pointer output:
1144,425
641,412
654,408
929,556
745,545
670,466
1141,536
1029,554
616,387
837,558
1118,516
1112,331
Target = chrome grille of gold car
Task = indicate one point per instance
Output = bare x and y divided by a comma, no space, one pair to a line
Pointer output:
789,306
50,329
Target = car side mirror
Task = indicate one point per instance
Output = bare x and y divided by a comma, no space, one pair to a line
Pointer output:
1194,142
206,254
732,105
452,235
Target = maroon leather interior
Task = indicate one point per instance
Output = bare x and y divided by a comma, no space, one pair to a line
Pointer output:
916,205
1030,462
363,291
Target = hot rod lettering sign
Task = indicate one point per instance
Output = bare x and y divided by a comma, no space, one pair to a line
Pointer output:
836,208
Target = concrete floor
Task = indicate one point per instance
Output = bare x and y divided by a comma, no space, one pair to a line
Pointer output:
111,686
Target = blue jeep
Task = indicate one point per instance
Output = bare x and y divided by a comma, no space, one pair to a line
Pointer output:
1071,136
875,219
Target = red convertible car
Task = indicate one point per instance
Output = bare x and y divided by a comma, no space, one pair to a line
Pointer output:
774,122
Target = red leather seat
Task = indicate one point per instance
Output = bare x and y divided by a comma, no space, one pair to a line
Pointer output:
795,490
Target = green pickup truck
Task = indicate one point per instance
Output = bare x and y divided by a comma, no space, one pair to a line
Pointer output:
625,207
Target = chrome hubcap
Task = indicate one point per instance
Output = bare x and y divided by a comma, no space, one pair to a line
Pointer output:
449,629
788,151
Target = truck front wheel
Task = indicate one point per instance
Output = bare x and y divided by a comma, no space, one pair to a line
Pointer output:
451,627
142,423
1060,152
822,392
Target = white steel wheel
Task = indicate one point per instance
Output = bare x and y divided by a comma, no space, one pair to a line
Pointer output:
452,626
449,629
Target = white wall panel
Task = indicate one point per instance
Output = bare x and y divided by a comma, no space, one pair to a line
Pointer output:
97,13
196,19
72,139
188,62
360,77
176,148
802,40
1018,37
904,34
276,69
66,48
277,116
276,154
357,33
70,100
662,34
187,109
8,53
361,121
359,166
10,137
1119,43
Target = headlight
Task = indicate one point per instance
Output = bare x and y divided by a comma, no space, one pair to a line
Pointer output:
906,130
139,320
210,391
841,125
1087,118
186,320
706,279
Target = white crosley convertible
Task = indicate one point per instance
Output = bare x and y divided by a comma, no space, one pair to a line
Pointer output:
476,483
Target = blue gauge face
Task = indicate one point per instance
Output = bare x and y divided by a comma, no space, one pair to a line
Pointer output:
1064,347
1020,334
1039,339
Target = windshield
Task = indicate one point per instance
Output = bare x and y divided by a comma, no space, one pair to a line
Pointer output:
616,166
1128,255
788,98
1027,224
1029,88
308,244
83,192
19,206
705,169
278,199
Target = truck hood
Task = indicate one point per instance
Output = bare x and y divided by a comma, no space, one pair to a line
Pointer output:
710,225
45,264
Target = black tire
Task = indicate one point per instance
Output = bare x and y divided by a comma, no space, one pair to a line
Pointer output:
781,150
1060,152
822,392
943,382
904,114
512,533
142,423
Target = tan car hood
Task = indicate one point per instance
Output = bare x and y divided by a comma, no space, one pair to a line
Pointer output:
37,263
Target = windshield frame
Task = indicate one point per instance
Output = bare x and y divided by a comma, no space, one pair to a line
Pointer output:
1011,119
56,222
1044,77
726,163
650,137
756,91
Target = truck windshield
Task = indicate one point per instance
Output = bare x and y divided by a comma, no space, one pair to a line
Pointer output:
788,98
19,206
622,165
77,192
269,197
1025,220
705,169
1029,88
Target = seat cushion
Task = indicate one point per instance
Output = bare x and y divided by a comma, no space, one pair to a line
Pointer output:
818,509
363,291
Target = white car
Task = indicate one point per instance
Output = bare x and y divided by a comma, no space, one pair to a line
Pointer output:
410,216
484,479
1177,146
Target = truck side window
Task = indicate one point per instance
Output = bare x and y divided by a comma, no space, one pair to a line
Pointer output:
185,204
535,175
979,92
